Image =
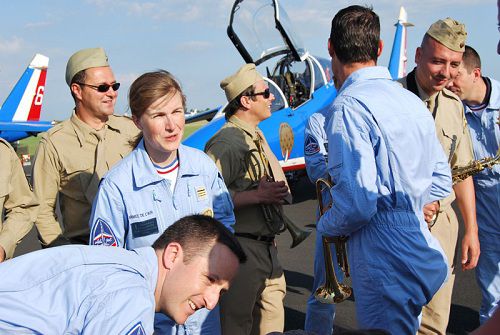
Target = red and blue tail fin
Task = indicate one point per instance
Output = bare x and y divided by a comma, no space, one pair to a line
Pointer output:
398,60
24,103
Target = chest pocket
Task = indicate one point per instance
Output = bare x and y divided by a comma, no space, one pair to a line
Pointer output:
199,196
76,176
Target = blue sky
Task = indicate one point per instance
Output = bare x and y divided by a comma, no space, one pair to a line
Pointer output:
188,38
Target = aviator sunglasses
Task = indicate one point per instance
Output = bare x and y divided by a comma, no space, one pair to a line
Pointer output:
266,94
103,88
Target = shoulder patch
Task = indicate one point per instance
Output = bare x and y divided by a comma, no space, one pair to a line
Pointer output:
137,329
311,146
102,234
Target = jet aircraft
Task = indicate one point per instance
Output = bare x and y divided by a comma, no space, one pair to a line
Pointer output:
20,113
301,83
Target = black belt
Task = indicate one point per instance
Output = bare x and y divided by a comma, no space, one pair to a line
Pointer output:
268,239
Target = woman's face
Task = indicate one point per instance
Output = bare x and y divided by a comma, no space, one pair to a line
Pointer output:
162,126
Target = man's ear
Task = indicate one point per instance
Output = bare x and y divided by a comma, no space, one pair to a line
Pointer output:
380,48
76,90
245,101
418,55
171,254
331,51
477,74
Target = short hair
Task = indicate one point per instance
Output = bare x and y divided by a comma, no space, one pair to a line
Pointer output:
471,59
235,104
148,88
355,34
197,233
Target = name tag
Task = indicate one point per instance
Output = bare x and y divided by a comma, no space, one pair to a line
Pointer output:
144,228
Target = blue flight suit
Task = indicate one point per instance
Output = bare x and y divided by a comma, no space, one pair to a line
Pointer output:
485,135
386,163
319,316
79,289
134,205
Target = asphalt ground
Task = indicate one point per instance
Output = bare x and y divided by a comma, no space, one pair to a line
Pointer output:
298,265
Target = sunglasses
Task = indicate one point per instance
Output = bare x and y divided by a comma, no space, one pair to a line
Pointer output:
266,94
103,88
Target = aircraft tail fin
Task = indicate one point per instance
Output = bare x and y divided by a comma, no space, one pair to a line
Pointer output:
24,102
398,60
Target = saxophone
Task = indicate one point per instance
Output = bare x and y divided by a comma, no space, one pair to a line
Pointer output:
459,174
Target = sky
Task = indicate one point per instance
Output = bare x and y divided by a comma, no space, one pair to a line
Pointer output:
188,38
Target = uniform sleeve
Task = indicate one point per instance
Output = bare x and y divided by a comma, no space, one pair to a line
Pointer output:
108,221
222,203
125,312
19,203
314,148
441,176
223,158
46,180
352,167
463,154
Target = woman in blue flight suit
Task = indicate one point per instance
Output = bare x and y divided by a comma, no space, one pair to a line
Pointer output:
159,182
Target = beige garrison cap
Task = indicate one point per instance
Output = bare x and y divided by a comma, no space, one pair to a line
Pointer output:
83,60
235,84
450,33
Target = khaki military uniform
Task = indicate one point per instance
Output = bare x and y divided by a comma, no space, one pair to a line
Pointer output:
452,132
254,304
71,159
16,200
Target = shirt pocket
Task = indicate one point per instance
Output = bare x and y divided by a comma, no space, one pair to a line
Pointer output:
76,179
144,225
199,196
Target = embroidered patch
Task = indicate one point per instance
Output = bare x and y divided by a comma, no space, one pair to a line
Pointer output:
311,146
201,193
102,234
137,329
208,212
144,228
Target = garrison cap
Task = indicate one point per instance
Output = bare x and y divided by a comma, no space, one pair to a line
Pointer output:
450,33
83,60
235,84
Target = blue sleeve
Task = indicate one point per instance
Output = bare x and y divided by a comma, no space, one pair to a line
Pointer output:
314,147
222,203
441,176
108,221
120,312
352,167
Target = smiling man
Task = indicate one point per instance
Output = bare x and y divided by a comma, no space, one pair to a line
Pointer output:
75,154
438,59
257,185
96,290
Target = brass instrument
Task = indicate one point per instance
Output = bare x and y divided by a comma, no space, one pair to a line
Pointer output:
461,173
273,213
332,291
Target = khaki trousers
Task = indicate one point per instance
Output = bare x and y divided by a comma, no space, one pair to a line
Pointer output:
254,303
436,313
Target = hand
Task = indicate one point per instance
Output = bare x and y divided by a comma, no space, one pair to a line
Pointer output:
271,192
430,211
470,251
2,254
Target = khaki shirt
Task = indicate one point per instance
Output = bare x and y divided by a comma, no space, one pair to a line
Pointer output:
234,150
451,129
64,167
17,201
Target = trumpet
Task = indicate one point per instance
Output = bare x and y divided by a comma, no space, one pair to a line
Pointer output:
275,219
332,291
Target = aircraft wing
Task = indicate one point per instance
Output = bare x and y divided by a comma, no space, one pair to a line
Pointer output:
206,115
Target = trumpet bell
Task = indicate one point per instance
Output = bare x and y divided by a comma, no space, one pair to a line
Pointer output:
298,237
327,295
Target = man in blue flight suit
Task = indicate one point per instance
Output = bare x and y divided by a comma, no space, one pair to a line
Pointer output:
385,163
481,98
319,316
95,290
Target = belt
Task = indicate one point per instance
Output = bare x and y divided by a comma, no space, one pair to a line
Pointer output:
268,239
